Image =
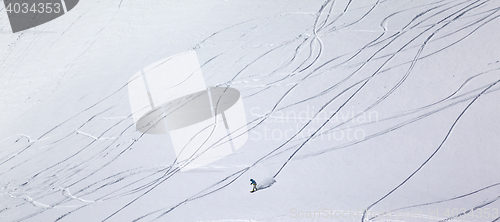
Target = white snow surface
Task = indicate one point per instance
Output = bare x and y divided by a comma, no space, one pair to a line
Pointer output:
265,183
356,108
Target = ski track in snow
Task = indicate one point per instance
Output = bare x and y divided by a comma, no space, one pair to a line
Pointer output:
306,59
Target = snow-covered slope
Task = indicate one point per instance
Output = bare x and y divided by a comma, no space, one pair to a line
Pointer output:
354,108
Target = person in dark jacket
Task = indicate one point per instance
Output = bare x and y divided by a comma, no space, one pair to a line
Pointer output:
252,182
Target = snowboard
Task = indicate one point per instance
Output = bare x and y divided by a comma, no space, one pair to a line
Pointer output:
252,191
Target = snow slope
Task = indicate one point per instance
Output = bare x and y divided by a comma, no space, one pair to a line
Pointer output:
355,108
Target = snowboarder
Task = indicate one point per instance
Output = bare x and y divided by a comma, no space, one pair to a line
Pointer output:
252,182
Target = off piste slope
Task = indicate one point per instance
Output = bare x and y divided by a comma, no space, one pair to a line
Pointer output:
359,110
